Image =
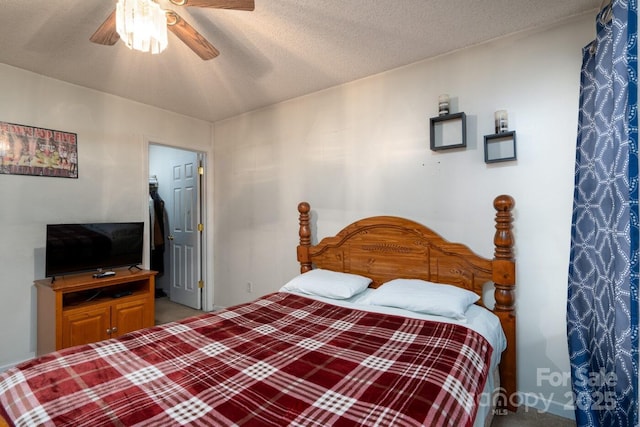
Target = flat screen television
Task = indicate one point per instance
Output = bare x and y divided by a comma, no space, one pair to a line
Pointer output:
76,248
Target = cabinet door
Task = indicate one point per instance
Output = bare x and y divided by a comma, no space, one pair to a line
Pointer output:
86,325
128,316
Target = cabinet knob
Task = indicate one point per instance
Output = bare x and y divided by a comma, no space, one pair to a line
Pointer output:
109,331
114,330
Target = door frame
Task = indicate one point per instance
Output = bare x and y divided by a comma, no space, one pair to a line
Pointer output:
205,197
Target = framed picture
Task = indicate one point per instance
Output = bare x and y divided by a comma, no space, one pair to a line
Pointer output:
28,150
448,131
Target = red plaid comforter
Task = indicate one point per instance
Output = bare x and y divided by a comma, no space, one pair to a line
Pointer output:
280,360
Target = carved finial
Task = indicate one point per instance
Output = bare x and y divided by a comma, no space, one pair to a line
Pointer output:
305,231
304,207
504,202
305,237
503,238
503,262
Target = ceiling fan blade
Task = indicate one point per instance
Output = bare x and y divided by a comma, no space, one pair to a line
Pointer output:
218,4
190,36
106,33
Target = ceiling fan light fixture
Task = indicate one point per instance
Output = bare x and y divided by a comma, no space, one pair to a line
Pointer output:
142,25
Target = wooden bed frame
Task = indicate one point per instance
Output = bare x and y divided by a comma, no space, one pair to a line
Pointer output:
386,247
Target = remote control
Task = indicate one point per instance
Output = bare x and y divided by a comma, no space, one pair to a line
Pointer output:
104,274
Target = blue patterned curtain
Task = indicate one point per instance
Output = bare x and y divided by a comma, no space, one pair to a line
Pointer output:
602,307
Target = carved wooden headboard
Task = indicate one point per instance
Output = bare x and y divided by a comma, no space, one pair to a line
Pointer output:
387,247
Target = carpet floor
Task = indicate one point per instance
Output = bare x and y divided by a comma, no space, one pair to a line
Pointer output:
530,417
169,311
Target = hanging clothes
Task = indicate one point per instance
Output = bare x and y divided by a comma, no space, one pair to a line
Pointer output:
158,222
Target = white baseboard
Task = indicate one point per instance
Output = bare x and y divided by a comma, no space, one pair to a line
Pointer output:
7,367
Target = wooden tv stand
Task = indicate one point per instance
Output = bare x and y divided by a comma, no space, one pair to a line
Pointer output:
80,309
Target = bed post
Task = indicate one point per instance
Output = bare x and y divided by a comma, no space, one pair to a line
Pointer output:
305,237
504,277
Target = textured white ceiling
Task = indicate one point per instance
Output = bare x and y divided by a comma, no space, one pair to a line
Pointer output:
283,49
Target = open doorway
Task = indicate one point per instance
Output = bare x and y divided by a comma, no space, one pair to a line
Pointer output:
176,218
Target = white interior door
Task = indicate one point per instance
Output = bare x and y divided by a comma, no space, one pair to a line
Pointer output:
184,237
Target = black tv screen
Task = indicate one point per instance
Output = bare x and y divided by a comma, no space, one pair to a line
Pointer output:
75,248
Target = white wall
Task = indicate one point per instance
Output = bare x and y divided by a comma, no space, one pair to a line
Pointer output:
113,137
363,149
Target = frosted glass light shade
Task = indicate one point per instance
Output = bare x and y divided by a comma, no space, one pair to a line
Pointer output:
142,25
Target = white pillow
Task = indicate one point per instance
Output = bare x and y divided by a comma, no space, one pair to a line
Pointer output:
327,283
425,297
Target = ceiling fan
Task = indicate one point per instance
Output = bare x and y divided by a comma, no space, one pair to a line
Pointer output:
106,34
